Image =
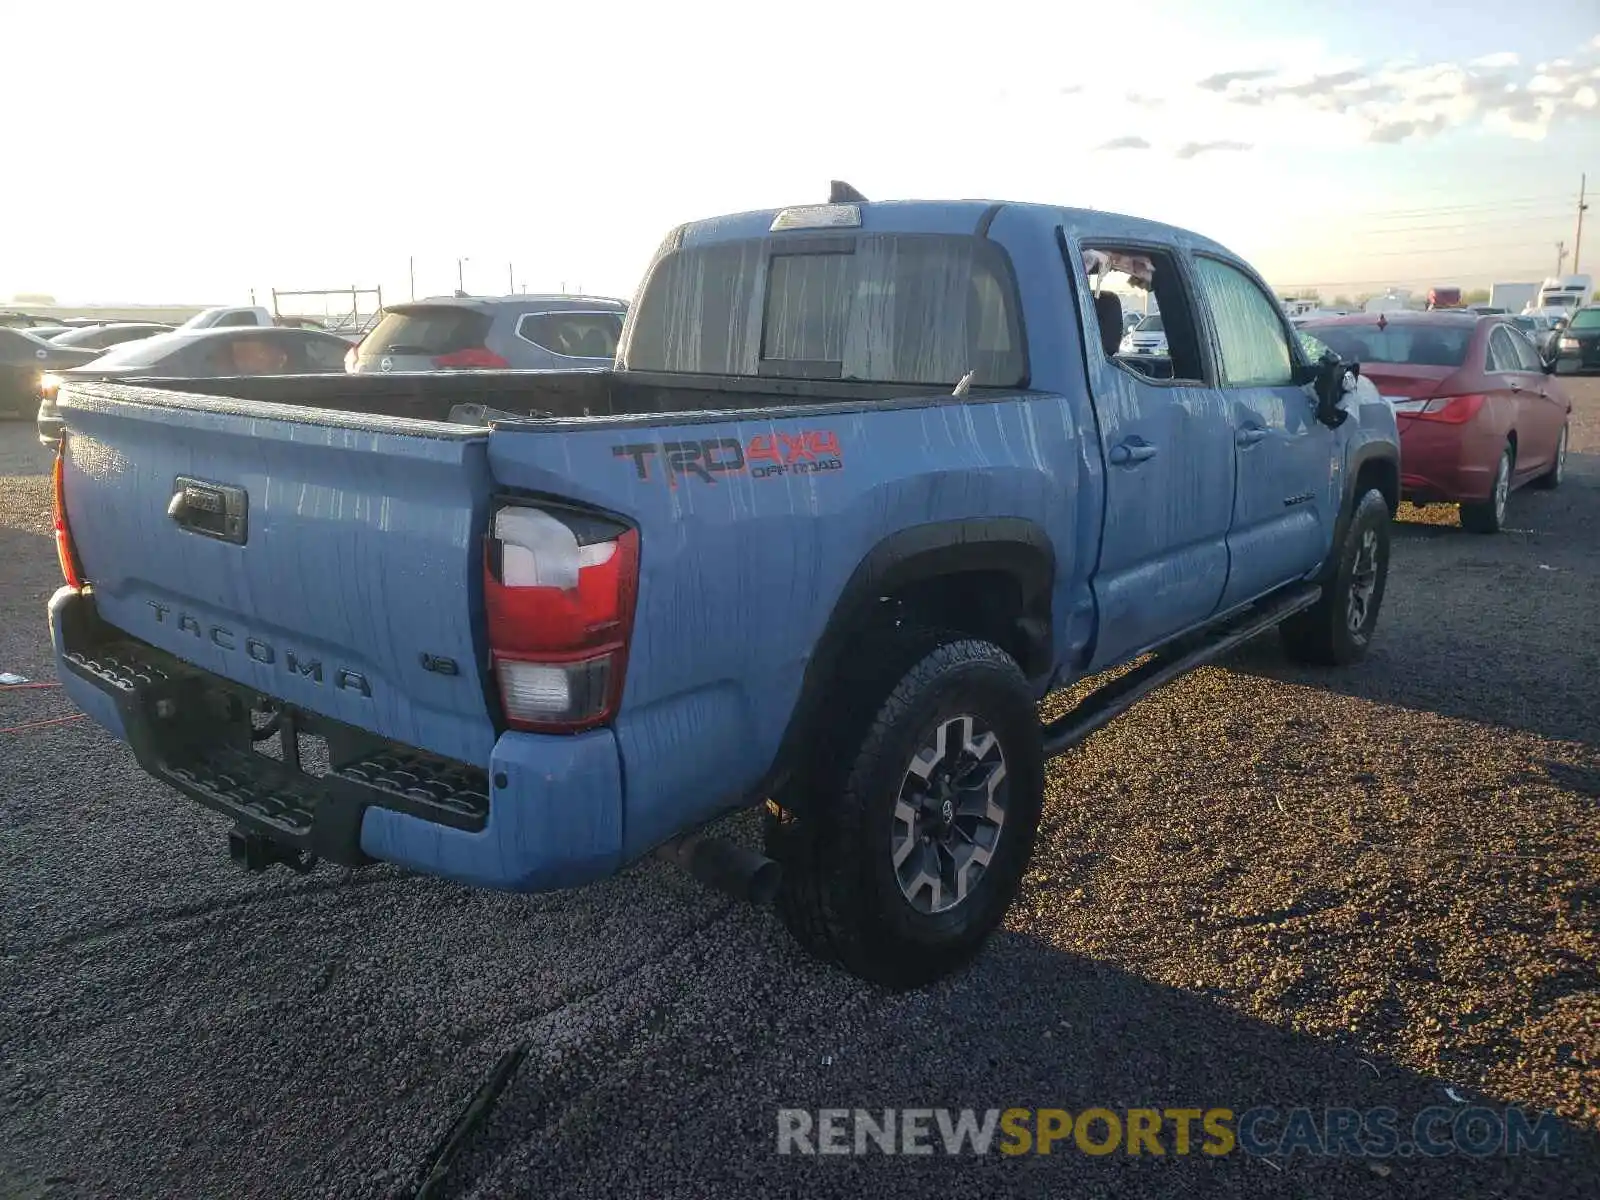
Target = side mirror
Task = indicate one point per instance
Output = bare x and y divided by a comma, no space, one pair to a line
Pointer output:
1330,378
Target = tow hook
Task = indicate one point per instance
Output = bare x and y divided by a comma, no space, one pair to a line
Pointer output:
256,852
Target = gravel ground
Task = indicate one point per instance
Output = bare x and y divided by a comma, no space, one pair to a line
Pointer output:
1264,885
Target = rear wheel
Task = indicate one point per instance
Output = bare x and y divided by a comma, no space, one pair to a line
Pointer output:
907,846
1489,516
1551,479
1337,629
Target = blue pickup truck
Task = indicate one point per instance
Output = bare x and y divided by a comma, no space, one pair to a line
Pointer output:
868,481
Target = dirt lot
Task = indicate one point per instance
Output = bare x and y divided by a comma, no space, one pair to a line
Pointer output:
1262,886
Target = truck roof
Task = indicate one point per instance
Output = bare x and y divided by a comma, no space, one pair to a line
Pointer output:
956,217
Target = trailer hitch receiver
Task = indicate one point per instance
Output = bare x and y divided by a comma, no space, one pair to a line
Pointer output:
256,852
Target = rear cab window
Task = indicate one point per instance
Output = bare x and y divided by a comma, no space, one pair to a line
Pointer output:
916,309
572,334
430,330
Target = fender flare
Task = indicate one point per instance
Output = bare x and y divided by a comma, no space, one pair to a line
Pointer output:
1015,546
1367,452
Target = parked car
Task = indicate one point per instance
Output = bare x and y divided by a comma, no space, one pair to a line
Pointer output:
825,537
477,333
1576,347
193,354
228,316
24,357
1479,415
103,337
1147,337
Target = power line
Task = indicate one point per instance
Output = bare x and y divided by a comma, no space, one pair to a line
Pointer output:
1474,206
1520,219
1531,274
1473,247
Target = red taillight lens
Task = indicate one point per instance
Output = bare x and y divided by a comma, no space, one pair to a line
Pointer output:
559,596
65,554
478,358
1452,410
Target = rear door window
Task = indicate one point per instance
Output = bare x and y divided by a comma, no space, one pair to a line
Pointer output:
1527,356
902,308
573,334
1503,351
430,331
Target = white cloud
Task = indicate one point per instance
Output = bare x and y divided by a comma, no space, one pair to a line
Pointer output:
1405,99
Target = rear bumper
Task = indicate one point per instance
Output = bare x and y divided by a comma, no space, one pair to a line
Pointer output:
1440,462
546,814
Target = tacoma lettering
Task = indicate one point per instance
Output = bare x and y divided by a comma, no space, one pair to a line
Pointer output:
263,652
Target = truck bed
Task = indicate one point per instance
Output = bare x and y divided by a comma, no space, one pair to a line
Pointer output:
538,395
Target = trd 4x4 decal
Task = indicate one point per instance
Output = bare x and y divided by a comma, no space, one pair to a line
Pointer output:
803,453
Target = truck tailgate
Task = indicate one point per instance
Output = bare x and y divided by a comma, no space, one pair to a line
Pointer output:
329,560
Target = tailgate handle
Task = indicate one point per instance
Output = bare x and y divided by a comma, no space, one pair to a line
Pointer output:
214,510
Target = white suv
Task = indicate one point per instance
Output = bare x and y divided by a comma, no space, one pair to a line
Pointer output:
1147,337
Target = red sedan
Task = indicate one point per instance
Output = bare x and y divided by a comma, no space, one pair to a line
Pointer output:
1478,411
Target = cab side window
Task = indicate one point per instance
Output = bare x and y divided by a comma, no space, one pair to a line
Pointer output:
1165,344
1252,337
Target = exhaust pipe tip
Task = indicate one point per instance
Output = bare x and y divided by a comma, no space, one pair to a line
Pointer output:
735,870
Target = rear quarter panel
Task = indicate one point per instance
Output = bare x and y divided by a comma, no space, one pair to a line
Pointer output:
740,575
740,569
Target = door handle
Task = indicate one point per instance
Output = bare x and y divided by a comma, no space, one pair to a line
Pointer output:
1127,453
1249,437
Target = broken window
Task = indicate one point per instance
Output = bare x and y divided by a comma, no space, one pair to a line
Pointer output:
1145,281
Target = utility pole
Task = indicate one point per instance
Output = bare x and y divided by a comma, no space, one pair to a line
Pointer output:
511,280
461,285
1577,241
411,271
1561,257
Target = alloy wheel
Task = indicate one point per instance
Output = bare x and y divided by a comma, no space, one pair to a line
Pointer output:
1363,581
950,814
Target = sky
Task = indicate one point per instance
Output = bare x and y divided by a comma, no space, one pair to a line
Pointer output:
192,153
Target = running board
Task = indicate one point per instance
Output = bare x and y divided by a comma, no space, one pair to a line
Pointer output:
1115,698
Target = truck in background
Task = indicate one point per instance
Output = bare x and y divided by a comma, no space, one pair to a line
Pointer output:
1562,295
1513,297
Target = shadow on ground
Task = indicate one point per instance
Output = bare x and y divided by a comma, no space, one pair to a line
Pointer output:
1028,1026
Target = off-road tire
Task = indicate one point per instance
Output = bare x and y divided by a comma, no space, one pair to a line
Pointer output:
834,830
1552,478
1489,516
1327,633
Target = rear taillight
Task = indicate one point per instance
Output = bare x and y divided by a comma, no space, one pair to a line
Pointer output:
1452,410
477,358
559,594
65,554
350,357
